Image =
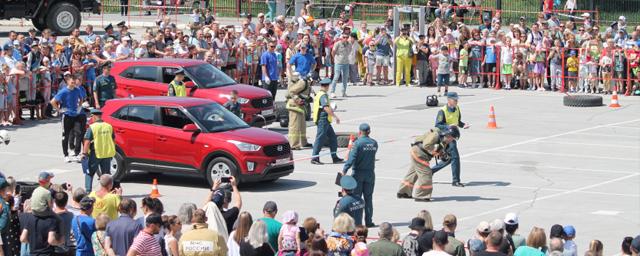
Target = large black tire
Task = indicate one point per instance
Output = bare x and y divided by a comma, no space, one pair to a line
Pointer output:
39,22
582,101
63,18
221,167
118,167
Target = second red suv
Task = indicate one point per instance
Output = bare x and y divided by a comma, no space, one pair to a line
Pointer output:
193,136
151,77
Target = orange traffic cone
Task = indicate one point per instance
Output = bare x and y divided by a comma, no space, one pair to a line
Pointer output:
351,140
492,119
154,189
614,100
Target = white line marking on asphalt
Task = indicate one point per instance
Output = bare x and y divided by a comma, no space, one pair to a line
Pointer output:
607,213
567,155
9,153
612,145
414,110
609,135
547,167
547,137
625,127
580,189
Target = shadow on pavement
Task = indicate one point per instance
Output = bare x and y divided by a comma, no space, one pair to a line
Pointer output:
200,182
487,183
463,198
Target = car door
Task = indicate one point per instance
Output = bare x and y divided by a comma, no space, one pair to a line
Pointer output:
173,146
143,81
136,129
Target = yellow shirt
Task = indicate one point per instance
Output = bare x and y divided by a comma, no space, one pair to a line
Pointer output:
572,64
403,46
108,204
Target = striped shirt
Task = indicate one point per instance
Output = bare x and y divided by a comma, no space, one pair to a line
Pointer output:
145,244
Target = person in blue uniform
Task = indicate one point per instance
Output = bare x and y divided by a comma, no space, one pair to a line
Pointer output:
323,115
349,203
362,159
448,116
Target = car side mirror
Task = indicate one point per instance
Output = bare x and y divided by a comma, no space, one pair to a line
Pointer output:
190,128
189,84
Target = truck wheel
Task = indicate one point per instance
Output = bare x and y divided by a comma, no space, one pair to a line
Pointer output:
63,18
39,22
582,101
221,167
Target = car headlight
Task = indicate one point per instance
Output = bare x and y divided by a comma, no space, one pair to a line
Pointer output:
240,99
245,147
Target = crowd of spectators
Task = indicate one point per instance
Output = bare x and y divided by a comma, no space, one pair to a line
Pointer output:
57,219
576,54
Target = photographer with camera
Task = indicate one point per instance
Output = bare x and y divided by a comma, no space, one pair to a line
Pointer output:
348,203
418,182
224,191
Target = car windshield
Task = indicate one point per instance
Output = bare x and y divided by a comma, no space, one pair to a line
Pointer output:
207,76
216,118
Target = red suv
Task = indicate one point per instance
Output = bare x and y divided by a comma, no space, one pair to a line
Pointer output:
151,77
193,136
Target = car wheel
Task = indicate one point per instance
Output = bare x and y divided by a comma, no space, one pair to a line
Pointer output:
117,167
63,18
221,167
582,101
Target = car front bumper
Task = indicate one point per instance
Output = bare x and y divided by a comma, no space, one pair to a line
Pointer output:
269,173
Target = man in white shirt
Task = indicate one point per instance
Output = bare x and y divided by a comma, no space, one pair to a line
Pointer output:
440,240
123,51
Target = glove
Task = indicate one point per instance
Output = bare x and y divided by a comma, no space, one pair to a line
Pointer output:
267,80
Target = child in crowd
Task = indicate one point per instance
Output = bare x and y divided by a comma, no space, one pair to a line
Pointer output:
233,105
4,92
444,68
606,69
463,65
570,248
289,237
369,57
572,68
506,61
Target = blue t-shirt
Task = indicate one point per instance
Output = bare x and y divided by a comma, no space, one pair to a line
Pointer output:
489,55
83,227
303,63
384,46
91,71
70,100
269,60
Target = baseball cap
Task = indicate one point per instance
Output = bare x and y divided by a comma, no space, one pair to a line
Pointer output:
270,206
452,95
496,225
556,231
364,127
86,203
483,227
66,73
45,176
635,244
511,218
417,223
348,183
218,197
569,230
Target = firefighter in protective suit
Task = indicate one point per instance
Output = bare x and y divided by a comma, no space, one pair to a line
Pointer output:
418,183
298,96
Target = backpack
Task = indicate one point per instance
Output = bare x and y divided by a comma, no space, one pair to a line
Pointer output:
410,245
